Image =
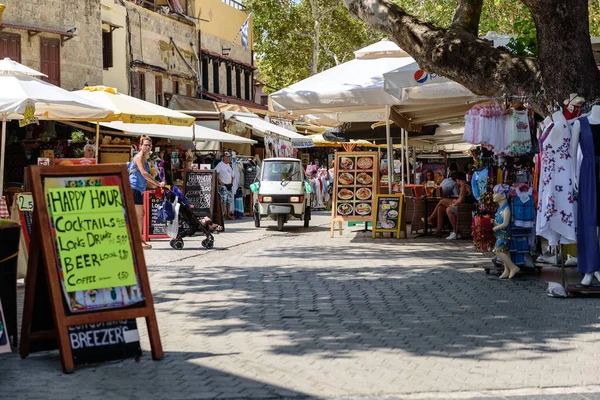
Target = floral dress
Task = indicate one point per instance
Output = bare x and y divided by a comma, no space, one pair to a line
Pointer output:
557,202
502,235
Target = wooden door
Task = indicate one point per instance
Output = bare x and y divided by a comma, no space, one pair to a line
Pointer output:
50,60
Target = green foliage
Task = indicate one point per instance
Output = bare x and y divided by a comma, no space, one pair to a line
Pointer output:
78,137
284,38
283,32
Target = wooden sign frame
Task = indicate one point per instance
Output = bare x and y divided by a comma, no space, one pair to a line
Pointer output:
401,218
148,220
354,171
43,266
214,191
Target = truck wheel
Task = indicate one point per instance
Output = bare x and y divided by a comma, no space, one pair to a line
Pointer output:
280,221
307,217
256,220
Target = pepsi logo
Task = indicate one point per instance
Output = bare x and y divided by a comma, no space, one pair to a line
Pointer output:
421,76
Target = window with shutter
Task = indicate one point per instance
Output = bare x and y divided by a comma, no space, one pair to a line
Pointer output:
188,89
158,89
50,60
238,84
247,85
215,76
107,49
175,86
205,73
139,85
229,86
10,46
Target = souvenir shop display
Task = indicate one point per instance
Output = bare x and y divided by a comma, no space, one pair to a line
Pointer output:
320,182
355,186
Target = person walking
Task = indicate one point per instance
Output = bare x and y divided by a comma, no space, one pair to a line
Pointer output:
139,177
225,180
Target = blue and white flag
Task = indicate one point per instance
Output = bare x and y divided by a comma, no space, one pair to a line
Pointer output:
244,32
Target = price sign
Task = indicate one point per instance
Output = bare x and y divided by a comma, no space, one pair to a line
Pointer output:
25,201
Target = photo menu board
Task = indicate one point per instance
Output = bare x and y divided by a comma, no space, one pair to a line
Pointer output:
355,185
388,213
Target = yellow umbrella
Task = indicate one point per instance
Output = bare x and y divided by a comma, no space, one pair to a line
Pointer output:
129,109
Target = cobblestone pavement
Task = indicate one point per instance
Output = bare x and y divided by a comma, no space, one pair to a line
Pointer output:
295,314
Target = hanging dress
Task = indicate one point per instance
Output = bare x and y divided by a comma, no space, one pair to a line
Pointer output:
588,253
557,202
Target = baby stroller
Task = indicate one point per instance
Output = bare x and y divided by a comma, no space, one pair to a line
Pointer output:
188,223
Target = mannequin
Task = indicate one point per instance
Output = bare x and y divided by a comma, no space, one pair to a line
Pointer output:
501,223
588,215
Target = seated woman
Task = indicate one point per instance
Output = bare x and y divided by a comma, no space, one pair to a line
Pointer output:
207,222
449,206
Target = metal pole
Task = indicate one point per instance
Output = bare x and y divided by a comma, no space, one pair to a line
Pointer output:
97,140
402,160
2,152
390,152
407,159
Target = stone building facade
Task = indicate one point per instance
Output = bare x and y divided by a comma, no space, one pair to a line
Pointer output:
40,34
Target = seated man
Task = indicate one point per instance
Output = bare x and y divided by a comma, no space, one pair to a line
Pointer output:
449,206
449,186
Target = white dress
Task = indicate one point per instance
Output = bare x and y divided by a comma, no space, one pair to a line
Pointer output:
557,204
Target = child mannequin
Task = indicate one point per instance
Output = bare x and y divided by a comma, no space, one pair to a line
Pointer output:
501,223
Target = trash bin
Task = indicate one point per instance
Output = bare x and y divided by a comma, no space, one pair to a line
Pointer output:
9,250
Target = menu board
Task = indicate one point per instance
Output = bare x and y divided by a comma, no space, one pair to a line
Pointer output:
155,227
387,216
200,190
92,242
355,185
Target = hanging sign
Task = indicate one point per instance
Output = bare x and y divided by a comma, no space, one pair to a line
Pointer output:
28,115
85,255
25,201
388,213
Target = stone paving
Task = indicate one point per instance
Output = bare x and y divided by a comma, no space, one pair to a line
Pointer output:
295,314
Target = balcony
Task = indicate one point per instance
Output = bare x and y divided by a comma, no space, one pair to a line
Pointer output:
235,4
175,10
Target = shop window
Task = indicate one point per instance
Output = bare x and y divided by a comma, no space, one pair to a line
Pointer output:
229,86
10,46
158,89
215,76
247,85
264,99
50,60
175,86
139,85
205,73
107,49
238,84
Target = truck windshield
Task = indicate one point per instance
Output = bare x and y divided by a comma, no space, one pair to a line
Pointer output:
282,170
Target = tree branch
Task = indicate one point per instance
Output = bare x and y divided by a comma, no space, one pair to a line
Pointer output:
453,53
467,15
331,53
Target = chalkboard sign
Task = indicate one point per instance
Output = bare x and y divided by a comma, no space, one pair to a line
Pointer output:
153,229
388,214
200,188
85,255
105,341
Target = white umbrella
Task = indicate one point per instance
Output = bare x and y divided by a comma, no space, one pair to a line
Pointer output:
24,94
354,86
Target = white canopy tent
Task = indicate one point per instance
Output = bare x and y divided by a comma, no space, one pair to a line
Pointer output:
196,132
448,138
22,93
265,127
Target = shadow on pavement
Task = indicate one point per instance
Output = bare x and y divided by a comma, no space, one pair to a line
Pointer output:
429,301
178,376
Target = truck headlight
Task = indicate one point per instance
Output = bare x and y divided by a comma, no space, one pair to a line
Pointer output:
265,199
296,199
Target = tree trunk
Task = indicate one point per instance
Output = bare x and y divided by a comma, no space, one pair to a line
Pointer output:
314,68
565,64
